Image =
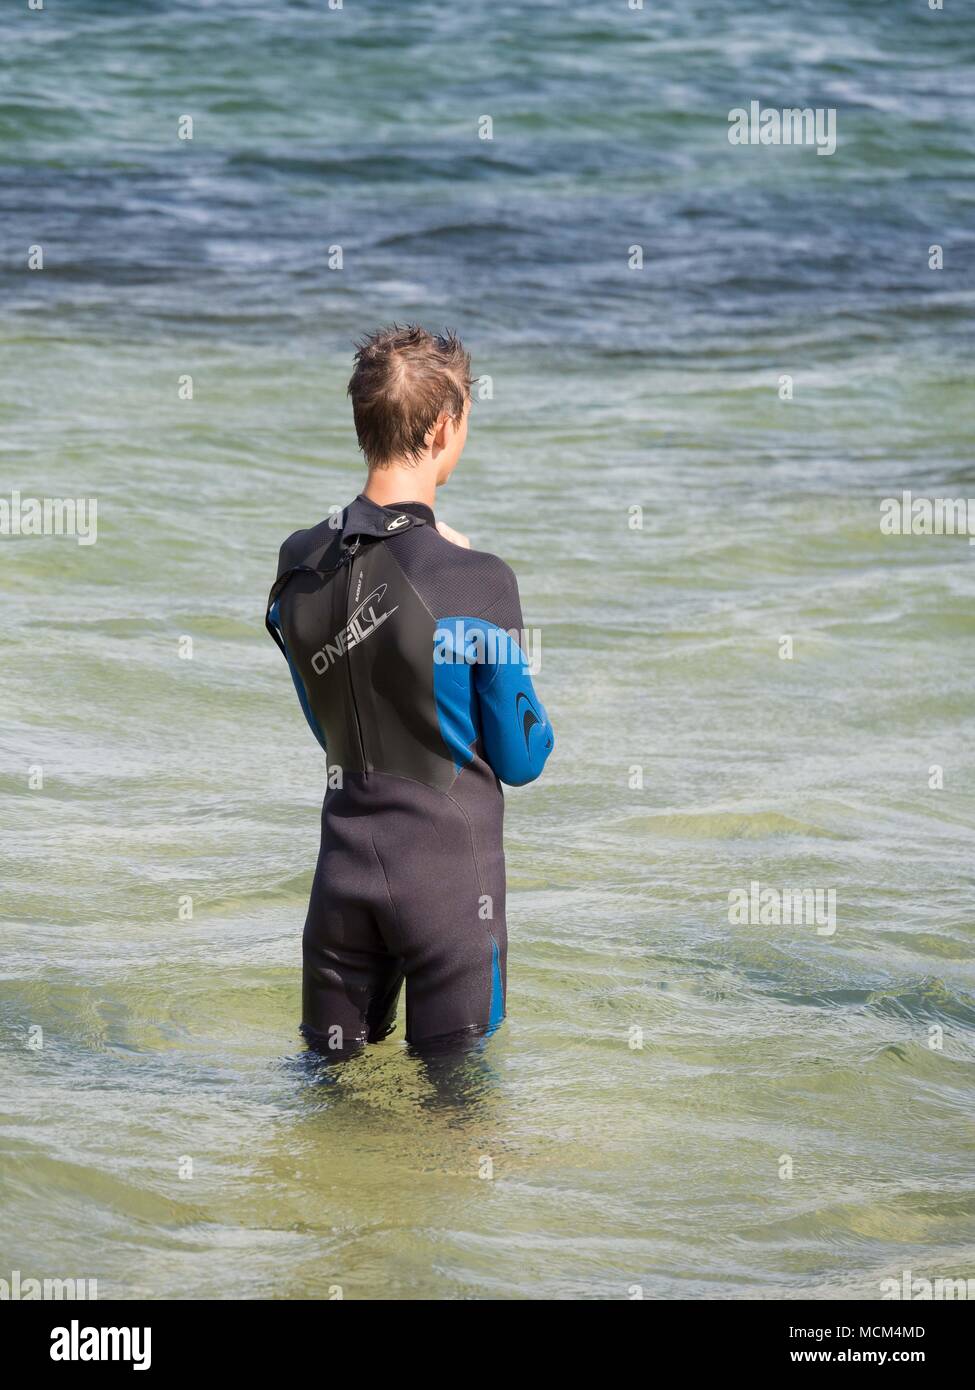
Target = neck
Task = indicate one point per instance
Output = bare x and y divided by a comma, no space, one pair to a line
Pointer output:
400,483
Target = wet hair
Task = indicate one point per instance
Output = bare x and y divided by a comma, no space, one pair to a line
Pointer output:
404,378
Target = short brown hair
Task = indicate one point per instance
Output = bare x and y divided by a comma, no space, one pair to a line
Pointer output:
403,379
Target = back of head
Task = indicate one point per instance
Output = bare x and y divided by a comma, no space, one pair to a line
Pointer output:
404,380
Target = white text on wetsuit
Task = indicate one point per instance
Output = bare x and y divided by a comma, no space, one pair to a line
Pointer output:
361,625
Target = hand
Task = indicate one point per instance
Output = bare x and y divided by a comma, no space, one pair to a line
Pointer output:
455,537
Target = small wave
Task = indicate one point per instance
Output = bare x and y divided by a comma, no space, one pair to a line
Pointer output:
726,825
392,166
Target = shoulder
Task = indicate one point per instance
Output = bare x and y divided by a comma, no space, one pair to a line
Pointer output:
307,547
497,576
452,580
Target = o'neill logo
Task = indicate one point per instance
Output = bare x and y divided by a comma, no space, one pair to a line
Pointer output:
361,625
397,523
526,712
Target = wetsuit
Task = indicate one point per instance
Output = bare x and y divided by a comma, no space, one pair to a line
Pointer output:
401,649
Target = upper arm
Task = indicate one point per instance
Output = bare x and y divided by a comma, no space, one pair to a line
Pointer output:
516,733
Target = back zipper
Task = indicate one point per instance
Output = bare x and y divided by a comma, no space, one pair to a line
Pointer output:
349,559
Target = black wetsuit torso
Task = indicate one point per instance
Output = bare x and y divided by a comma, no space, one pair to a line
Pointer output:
407,655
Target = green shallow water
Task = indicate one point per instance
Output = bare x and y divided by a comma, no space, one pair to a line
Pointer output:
618,1158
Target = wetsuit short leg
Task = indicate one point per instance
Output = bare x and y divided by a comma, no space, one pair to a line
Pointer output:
409,882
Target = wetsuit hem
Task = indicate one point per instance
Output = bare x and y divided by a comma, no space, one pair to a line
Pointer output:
447,1042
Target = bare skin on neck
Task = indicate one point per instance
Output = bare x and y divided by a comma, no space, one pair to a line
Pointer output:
417,480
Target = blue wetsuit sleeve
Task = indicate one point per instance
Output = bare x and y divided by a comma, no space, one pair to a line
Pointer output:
515,729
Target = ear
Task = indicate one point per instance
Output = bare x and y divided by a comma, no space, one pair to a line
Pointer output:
442,432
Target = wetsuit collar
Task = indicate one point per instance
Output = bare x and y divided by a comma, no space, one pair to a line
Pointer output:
363,517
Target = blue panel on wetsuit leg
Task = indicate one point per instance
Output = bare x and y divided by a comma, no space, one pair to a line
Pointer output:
496,1014
275,617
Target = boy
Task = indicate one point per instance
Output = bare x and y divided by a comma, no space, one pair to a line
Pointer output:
404,648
